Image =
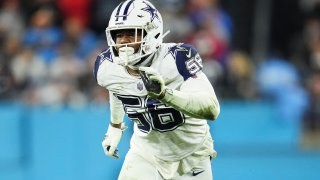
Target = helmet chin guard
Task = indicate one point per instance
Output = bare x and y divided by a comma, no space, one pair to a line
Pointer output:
137,15
126,54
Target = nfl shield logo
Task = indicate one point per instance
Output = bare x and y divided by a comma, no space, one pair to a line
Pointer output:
140,86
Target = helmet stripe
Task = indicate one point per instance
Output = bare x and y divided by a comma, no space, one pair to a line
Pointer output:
125,14
118,11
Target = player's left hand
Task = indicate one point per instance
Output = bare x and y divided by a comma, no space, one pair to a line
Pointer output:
153,82
112,139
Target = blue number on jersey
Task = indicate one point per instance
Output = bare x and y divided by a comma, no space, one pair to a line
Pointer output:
188,60
151,114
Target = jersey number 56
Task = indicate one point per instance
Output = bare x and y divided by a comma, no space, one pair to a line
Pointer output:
151,114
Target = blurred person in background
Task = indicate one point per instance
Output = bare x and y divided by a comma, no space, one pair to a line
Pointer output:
30,6
76,9
65,72
307,59
29,72
210,11
84,44
211,35
311,120
239,76
174,13
99,8
212,29
40,45
162,89
307,53
42,33
280,81
11,30
78,35
10,12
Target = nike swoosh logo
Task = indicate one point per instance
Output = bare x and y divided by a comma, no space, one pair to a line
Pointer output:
197,173
189,54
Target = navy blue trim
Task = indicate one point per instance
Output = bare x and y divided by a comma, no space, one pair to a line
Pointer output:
105,55
96,67
180,53
118,11
125,14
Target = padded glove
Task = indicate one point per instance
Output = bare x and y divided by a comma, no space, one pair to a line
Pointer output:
153,82
112,139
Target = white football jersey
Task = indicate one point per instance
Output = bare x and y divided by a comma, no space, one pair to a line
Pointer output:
159,130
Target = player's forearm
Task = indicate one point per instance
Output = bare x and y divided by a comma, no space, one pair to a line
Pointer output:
116,110
199,104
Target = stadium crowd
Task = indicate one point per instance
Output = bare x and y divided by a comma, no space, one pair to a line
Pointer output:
48,48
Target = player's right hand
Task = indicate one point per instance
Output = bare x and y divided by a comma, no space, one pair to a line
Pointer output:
112,139
153,82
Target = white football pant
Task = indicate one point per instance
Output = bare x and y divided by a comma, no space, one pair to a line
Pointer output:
135,167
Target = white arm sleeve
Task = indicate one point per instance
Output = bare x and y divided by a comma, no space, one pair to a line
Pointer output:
116,109
196,98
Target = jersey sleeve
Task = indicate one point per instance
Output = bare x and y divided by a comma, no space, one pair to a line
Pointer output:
188,60
195,98
116,109
105,55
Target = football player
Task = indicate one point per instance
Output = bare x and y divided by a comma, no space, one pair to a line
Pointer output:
161,88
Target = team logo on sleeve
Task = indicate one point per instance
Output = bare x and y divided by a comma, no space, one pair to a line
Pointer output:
175,49
106,55
140,86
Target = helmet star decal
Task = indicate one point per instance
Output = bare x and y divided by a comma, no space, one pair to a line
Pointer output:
153,12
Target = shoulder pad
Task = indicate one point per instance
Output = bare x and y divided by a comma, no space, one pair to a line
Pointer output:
104,55
188,60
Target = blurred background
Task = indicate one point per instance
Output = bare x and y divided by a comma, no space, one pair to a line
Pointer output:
262,57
